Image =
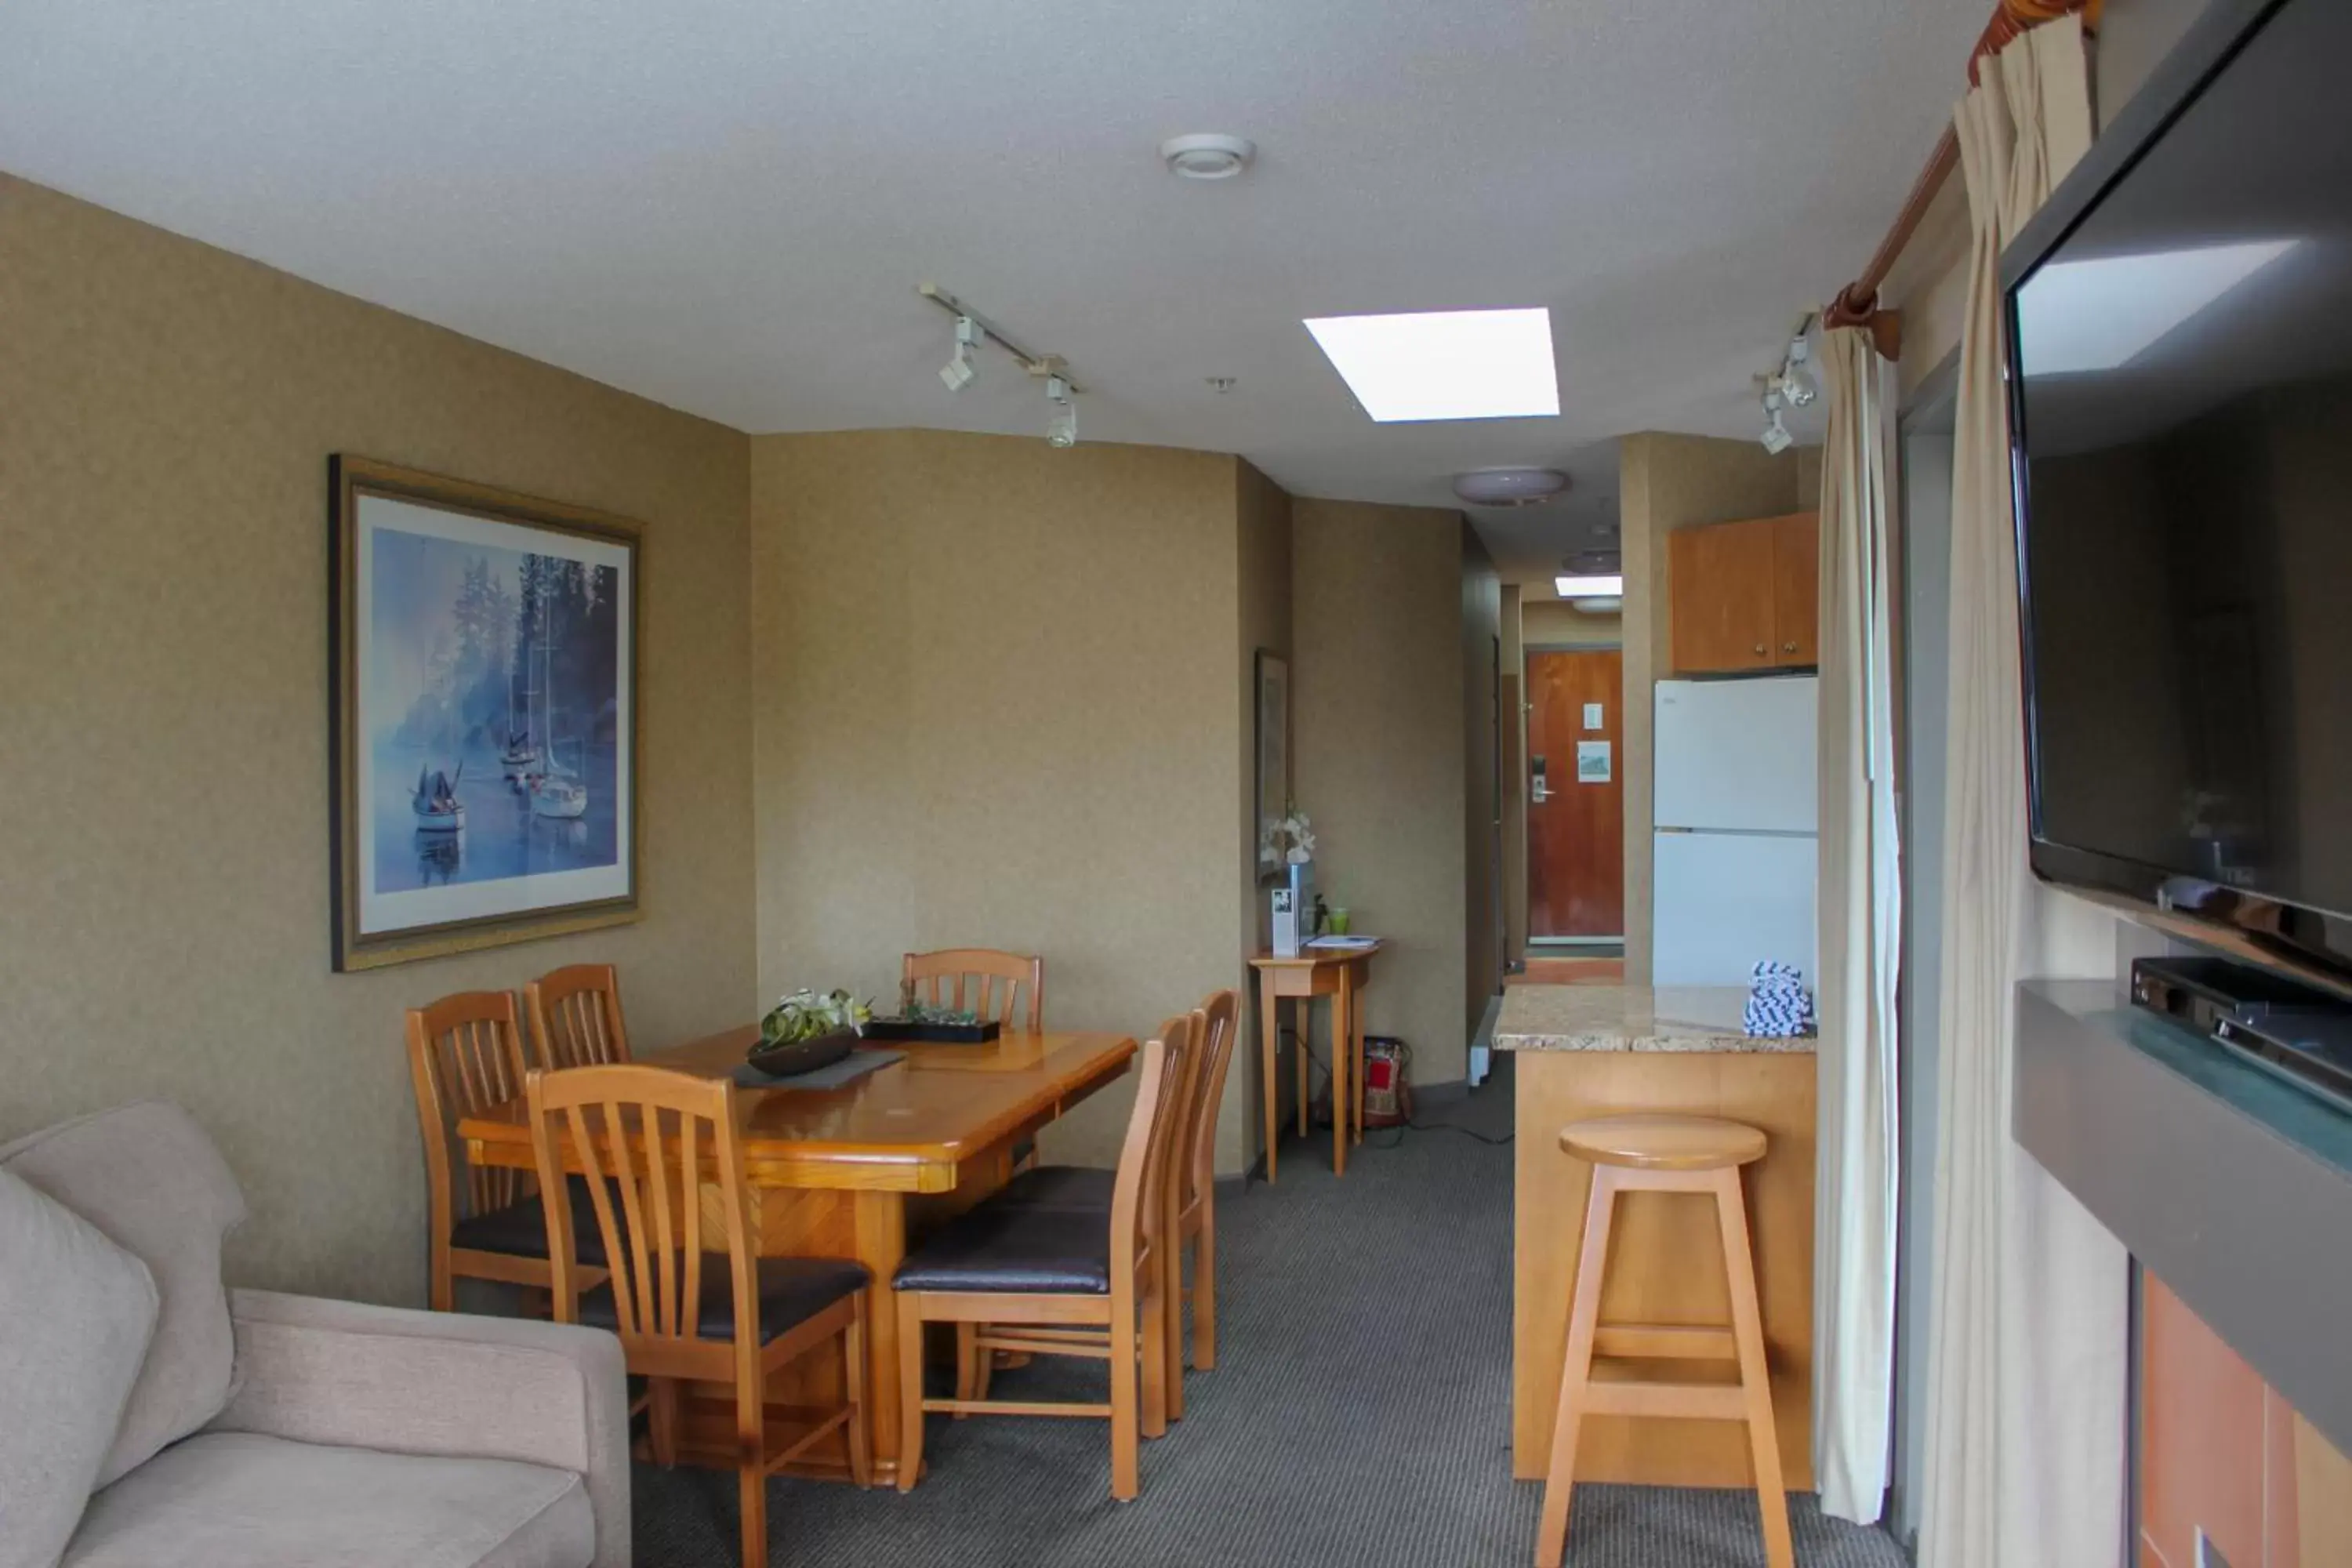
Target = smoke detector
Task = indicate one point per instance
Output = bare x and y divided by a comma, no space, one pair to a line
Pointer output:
1207,155
1510,487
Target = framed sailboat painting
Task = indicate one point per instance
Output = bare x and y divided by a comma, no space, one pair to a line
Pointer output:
484,702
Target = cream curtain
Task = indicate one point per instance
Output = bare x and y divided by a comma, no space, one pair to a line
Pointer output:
1861,921
2025,1453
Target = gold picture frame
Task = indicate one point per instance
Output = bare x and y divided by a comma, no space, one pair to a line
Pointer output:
488,642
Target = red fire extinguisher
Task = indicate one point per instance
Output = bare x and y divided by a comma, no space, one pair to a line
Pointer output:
1388,1087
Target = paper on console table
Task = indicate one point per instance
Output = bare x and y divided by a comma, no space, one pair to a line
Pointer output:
1631,1018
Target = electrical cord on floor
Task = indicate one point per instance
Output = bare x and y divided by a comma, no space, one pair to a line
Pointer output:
1371,1138
1401,1128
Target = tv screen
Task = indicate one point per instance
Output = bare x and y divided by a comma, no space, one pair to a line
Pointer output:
2182,411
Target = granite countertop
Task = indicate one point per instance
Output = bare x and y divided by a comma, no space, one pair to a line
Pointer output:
1630,1018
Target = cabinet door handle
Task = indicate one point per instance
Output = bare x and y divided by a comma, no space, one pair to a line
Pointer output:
1759,647
1788,647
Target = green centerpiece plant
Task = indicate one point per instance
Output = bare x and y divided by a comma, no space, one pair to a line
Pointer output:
808,1014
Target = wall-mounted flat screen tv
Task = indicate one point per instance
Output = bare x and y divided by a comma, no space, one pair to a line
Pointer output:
2181,324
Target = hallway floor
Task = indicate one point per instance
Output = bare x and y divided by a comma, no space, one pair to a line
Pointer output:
1359,1416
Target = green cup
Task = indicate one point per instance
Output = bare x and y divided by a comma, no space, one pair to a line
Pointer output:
1338,922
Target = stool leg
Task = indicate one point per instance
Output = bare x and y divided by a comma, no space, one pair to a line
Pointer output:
1755,1376
1575,1369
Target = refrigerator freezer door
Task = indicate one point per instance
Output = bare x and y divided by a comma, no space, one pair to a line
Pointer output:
1737,754
1723,900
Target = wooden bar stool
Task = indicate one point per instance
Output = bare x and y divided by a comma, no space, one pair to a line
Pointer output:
1656,1153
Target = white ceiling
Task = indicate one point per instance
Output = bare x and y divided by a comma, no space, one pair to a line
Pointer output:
726,204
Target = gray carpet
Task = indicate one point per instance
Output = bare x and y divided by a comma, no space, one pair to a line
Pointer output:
1359,1416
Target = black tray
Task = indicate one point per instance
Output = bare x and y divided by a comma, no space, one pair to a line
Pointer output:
952,1033
802,1056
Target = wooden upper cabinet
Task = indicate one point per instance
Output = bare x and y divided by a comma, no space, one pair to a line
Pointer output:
1744,595
1796,588
1720,578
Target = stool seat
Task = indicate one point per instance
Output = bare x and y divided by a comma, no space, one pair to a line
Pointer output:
1660,1142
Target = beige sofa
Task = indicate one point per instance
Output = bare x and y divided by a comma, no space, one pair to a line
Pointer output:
260,1430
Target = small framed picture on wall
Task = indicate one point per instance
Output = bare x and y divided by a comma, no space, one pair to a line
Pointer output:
484,714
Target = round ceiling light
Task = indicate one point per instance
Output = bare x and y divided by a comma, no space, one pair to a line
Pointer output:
1207,156
1510,487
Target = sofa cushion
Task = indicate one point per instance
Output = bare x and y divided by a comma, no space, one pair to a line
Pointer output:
237,1500
149,1178
76,1312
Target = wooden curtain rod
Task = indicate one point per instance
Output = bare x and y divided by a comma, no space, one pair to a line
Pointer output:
1856,304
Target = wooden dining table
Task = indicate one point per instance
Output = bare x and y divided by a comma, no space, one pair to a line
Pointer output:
864,1170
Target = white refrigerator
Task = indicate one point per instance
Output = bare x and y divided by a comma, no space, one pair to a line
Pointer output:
1736,853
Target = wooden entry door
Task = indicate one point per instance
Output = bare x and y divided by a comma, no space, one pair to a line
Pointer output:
1576,794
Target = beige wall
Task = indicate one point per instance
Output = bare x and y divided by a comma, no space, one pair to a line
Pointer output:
1669,482
997,705
1262,515
1481,825
1376,628
1554,623
166,413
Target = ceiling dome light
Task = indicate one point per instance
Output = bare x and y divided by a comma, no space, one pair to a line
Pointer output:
1510,487
1207,156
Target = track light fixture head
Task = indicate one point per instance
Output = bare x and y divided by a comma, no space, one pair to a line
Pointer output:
1798,383
1776,436
1062,425
959,371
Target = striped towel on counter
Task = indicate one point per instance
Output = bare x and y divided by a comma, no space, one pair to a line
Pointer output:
1779,1005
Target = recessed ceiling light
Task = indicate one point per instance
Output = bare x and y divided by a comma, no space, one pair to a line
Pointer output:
1207,156
1444,365
2107,311
1589,587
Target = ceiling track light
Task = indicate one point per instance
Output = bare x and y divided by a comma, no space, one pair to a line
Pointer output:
1062,425
1795,380
973,330
1776,436
959,371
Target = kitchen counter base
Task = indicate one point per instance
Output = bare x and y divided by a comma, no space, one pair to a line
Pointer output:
1665,1263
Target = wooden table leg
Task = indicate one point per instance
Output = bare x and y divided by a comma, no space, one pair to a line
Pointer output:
880,1222
1356,1043
1343,1024
1269,1048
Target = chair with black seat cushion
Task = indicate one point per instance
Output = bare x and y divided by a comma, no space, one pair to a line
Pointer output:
1191,1189
1061,1281
659,1151
465,1056
576,1018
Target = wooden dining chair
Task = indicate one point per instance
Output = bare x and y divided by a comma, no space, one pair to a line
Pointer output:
1191,1194
659,1152
576,1018
980,979
1060,1282
465,1056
